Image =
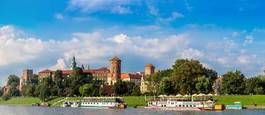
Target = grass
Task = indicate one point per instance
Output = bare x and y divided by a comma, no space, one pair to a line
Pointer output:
132,101
20,101
244,99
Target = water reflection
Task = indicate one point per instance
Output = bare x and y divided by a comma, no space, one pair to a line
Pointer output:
27,110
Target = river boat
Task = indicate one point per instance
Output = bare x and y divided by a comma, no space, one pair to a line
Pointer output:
71,104
103,102
186,103
235,106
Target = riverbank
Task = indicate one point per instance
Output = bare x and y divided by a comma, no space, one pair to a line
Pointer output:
248,101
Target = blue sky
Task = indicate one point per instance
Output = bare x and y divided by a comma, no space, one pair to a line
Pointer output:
224,35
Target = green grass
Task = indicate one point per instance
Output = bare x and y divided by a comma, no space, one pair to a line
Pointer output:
20,101
133,101
244,99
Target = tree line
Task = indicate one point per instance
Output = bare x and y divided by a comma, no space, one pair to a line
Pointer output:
190,77
184,77
76,84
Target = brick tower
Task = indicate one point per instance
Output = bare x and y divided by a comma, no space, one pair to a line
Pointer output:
115,70
149,69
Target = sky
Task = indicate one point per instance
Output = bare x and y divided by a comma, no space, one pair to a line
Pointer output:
225,35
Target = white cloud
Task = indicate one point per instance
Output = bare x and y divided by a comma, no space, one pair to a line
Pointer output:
59,65
121,10
101,5
191,54
18,48
174,15
248,40
59,16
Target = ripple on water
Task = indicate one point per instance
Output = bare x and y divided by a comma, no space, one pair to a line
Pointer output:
28,110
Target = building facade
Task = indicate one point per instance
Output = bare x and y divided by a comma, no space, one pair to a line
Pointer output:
149,70
27,76
110,75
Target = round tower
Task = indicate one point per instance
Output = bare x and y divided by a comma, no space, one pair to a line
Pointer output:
149,69
115,70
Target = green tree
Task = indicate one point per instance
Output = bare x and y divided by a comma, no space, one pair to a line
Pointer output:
254,86
203,85
233,83
185,73
28,90
13,83
58,83
136,91
120,88
1,91
76,80
153,81
166,86
43,88
92,89
87,89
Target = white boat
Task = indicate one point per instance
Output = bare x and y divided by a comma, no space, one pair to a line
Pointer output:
103,102
179,104
71,104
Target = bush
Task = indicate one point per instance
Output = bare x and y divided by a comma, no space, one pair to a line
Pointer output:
6,97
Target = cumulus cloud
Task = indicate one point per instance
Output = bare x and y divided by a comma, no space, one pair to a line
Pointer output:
59,16
121,10
248,40
18,48
191,54
59,65
117,6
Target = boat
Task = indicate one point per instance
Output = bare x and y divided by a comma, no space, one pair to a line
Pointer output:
185,103
71,104
235,106
103,102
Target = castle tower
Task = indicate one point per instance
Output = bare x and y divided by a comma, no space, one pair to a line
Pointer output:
27,76
115,70
73,64
149,69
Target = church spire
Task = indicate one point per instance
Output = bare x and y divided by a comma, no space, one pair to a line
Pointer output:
73,65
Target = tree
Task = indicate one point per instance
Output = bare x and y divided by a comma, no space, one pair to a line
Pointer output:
185,73
44,89
153,81
254,86
1,91
13,82
203,85
91,89
76,80
58,83
233,83
166,86
86,90
120,88
28,90
136,91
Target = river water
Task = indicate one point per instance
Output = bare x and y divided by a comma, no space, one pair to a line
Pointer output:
27,110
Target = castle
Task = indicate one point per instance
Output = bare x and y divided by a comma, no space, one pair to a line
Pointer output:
110,75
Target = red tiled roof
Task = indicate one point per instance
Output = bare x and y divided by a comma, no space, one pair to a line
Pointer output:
46,71
131,76
149,65
67,72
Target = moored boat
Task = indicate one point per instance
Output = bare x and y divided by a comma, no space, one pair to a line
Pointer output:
186,103
103,102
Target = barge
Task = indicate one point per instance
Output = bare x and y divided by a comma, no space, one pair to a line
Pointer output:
187,103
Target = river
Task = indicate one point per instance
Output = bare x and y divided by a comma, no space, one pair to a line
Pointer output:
28,110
